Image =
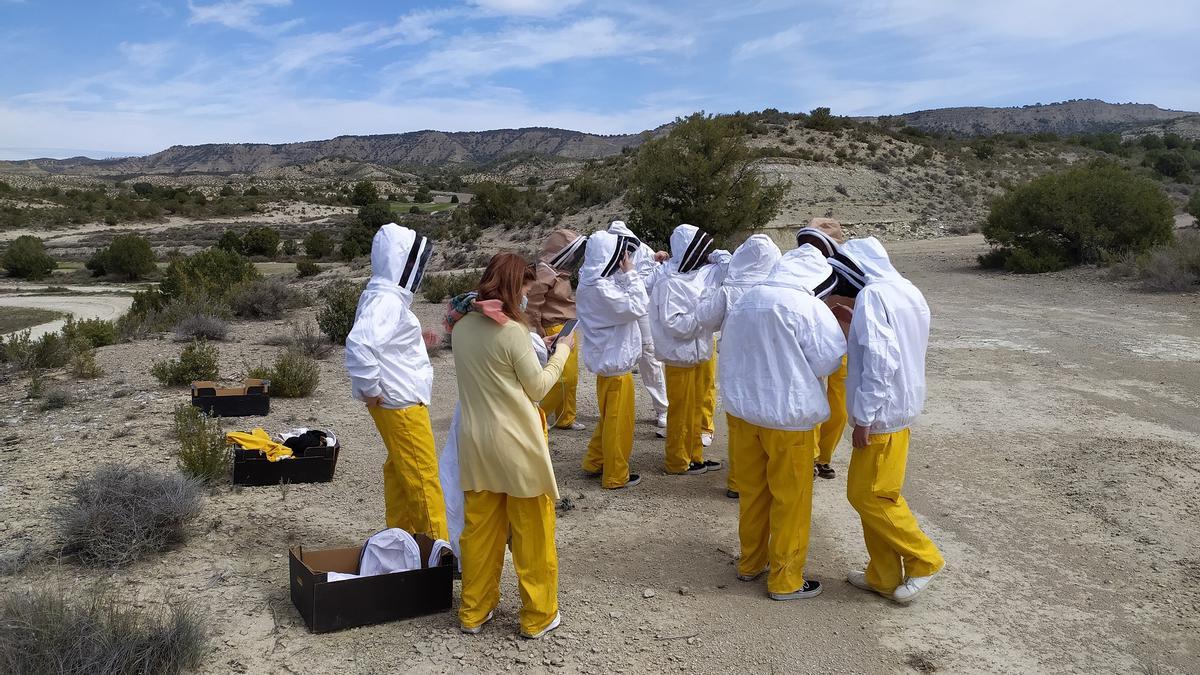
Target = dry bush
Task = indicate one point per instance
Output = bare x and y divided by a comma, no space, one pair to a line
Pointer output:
265,299
203,452
197,361
120,514
201,327
57,397
311,342
83,363
1173,267
91,631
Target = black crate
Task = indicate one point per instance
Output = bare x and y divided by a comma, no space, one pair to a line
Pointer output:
329,606
316,465
253,398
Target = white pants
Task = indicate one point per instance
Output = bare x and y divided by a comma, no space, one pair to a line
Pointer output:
452,486
651,370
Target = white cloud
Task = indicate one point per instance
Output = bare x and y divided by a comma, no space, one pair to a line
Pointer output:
241,15
146,54
525,7
476,55
771,44
330,48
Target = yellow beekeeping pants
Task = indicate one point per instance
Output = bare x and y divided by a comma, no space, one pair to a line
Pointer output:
708,392
488,519
831,430
775,479
412,491
612,441
895,542
559,402
683,417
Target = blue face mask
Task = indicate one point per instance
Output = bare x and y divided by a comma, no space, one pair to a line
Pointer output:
524,302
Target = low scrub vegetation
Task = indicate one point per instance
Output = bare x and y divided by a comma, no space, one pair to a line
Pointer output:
57,397
203,453
1090,214
120,514
307,268
265,299
127,257
201,327
94,332
197,361
438,287
1169,268
293,375
92,630
339,302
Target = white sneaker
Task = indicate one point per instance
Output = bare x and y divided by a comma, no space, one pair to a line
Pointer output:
477,629
911,588
706,440
858,579
752,577
575,426
661,433
661,422
542,633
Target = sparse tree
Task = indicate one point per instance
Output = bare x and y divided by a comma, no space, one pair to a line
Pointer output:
318,244
375,215
364,193
262,241
127,256
26,258
703,174
423,196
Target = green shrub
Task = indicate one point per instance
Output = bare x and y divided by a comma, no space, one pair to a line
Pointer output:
1172,165
120,514
318,245
1193,205
128,256
83,364
51,350
26,258
203,452
230,241
307,268
264,299
294,375
263,241
213,273
1089,214
95,332
290,247
87,629
364,193
197,361
339,302
436,288
154,312
374,216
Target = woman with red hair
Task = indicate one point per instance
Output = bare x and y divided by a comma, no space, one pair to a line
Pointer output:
506,473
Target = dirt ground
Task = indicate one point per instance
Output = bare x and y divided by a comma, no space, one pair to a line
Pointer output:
1056,465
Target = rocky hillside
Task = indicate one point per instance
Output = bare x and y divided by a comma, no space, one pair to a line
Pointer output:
415,149
1070,117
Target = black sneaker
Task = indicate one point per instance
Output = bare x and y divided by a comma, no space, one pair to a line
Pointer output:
634,479
811,589
825,471
696,468
713,465
594,474
732,494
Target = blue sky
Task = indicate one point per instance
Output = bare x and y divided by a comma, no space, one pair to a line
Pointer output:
136,76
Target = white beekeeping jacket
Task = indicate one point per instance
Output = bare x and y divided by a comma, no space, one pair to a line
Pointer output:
385,353
779,341
609,303
679,339
751,264
889,335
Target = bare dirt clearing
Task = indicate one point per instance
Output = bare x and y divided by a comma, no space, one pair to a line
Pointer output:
1056,465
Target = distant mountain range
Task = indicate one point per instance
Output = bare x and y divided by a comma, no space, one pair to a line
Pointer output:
1069,117
431,149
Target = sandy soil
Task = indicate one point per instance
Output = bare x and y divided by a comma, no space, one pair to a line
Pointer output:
1056,465
85,306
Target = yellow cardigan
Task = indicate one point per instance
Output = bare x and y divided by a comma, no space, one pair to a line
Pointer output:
501,447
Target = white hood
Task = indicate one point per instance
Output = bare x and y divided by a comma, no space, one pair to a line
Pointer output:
804,269
643,259
753,262
602,256
398,257
871,258
690,247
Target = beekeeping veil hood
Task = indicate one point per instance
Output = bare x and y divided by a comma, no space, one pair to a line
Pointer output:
804,269
690,247
752,262
563,249
398,258
871,259
602,255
